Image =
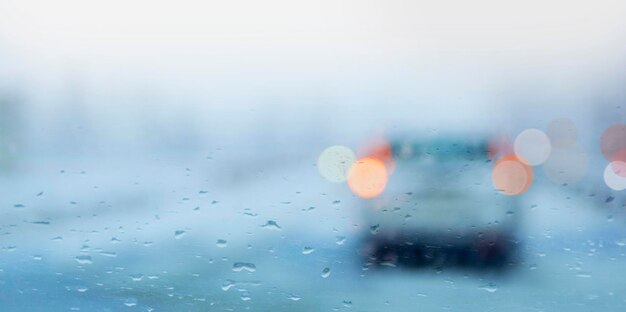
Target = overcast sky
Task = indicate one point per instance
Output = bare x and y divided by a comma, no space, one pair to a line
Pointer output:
346,63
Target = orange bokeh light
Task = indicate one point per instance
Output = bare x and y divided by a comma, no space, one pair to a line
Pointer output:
367,177
613,140
511,175
380,149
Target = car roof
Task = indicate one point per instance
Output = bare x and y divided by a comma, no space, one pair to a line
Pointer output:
440,148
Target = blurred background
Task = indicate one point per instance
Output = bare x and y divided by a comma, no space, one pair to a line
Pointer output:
167,156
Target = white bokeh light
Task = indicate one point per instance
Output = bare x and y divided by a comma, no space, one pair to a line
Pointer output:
335,162
612,179
533,146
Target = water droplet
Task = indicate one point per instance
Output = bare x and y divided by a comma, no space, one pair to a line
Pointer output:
272,225
228,284
179,234
249,213
293,297
491,287
108,254
83,259
244,266
136,277
374,229
390,264
307,250
340,240
130,302
221,243
245,296
326,272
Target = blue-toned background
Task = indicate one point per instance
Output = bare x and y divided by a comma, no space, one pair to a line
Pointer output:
161,156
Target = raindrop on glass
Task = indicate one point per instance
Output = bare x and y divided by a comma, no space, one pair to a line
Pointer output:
244,266
83,259
326,272
179,234
272,225
130,302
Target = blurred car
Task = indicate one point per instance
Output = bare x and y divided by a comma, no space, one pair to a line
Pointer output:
441,208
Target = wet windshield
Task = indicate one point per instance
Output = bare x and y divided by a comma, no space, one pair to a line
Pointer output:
383,155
